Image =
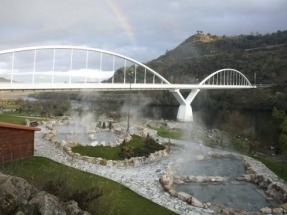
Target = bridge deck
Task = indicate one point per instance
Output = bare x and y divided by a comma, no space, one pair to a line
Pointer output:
114,87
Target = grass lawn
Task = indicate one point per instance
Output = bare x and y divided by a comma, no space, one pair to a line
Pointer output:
274,165
168,133
138,146
17,118
115,198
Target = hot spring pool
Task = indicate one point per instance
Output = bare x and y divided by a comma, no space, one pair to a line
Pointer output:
232,194
84,139
229,166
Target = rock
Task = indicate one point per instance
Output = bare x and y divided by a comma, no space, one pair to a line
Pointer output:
95,143
166,180
47,204
266,210
166,188
277,210
199,179
195,202
72,208
128,138
178,181
20,213
225,211
17,187
109,163
172,192
137,161
8,204
199,157
284,206
183,196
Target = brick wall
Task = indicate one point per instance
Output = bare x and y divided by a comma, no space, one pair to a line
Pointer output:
15,144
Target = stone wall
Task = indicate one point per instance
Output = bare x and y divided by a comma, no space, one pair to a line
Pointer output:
135,161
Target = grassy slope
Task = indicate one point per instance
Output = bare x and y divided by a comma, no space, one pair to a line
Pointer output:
116,199
274,165
17,118
9,117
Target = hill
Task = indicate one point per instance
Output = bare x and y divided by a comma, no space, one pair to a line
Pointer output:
201,54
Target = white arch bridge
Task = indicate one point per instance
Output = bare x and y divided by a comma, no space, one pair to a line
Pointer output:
78,68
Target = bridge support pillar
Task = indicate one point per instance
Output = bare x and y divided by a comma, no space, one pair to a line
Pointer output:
185,111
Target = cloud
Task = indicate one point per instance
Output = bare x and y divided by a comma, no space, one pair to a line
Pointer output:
142,31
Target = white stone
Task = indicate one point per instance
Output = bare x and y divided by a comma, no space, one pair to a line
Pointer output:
109,163
199,157
95,143
266,210
195,202
183,196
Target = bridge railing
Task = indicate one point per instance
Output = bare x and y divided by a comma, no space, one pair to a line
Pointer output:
72,64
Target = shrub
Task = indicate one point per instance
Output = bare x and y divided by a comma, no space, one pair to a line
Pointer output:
82,197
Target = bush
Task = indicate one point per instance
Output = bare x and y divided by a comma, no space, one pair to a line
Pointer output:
137,147
82,197
145,147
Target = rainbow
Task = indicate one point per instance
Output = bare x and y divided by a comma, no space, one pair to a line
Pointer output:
122,18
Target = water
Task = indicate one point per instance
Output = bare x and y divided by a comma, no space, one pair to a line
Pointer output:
228,166
70,133
71,129
233,194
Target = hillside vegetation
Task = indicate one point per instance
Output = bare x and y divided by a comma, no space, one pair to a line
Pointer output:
201,54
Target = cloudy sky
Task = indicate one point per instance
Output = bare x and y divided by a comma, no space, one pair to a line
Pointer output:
142,30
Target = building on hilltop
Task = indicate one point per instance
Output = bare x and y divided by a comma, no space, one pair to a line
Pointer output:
16,141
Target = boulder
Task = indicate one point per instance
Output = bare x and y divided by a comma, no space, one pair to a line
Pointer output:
199,157
166,180
8,204
109,163
172,192
266,210
183,196
195,202
278,211
137,161
16,187
47,204
284,206
71,207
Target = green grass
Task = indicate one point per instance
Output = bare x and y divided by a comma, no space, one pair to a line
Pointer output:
16,118
168,133
115,199
138,146
12,118
274,165
106,152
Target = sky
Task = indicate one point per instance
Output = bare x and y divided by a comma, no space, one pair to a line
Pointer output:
142,30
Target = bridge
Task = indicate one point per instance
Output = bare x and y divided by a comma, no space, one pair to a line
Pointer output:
83,68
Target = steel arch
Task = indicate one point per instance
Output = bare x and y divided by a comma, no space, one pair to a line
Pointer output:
241,75
34,48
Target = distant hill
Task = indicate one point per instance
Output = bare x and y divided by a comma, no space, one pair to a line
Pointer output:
202,54
4,80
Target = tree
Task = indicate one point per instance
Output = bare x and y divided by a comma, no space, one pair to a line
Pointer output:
281,121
